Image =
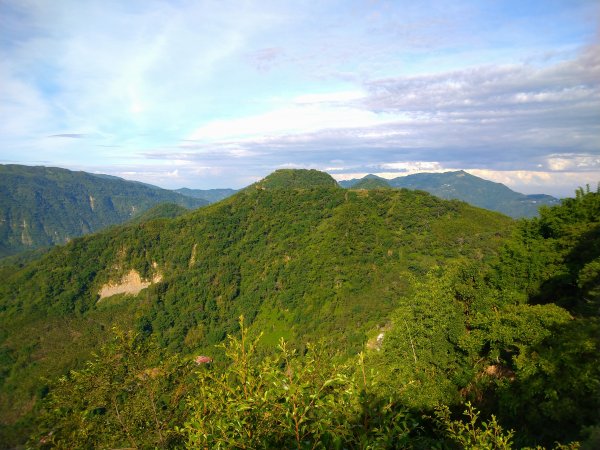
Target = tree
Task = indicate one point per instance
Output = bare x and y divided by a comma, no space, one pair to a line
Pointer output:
127,395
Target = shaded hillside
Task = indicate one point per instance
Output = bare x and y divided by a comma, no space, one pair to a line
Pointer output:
43,206
210,195
298,263
463,186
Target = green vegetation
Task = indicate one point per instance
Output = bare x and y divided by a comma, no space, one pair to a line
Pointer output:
451,309
463,186
296,179
371,183
118,398
44,206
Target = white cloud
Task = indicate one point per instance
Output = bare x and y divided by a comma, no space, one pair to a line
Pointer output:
386,86
560,184
330,97
298,119
573,162
22,107
413,166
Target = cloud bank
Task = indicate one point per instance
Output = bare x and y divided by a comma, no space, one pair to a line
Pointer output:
218,94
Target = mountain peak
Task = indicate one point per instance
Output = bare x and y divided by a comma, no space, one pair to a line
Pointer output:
372,176
296,179
373,182
477,191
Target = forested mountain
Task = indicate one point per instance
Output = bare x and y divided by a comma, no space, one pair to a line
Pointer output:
297,262
43,206
461,185
446,303
295,179
372,182
210,195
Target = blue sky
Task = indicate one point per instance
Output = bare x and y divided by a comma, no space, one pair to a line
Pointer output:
208,94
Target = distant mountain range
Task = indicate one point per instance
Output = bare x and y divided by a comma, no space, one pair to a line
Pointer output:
461,185
210,195
43,206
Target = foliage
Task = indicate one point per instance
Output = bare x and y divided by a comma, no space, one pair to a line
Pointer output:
125,396
274,403
454,335
289,401
473,433
556,394
553,261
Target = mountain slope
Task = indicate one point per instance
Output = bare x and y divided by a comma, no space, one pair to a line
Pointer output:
298,263
42,206
461,185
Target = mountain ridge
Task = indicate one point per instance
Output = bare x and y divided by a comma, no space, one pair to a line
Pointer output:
43,206
461,185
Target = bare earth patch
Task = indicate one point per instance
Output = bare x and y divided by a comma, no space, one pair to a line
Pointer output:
130,284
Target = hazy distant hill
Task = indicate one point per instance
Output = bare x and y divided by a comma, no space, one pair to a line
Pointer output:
210,195
463,186
42,206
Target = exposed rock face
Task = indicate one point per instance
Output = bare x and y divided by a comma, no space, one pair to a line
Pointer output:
130,284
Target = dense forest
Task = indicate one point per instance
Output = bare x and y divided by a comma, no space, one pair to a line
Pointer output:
45,206
296,314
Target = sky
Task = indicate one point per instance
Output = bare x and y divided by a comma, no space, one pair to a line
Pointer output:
214,94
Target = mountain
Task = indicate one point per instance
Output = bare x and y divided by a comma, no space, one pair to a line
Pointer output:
210,195
43,206
299,257
461,185
295,179
372,183
382,318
